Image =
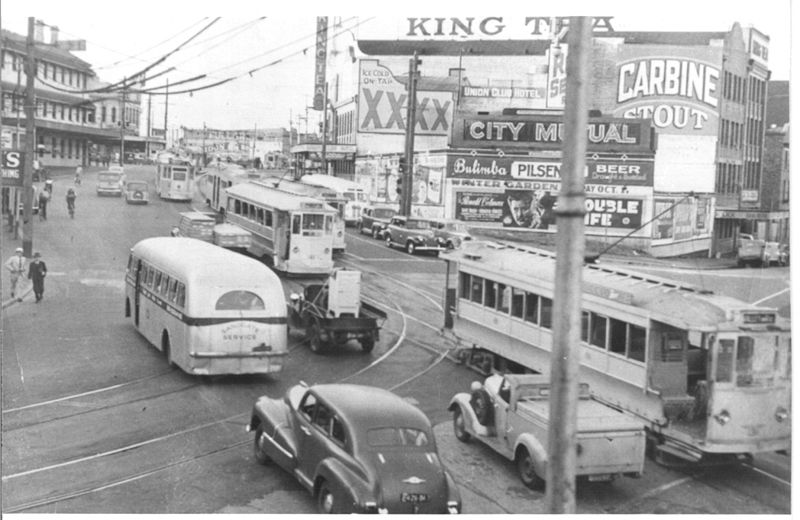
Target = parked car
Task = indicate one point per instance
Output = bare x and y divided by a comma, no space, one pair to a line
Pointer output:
357,449
511,414
771,254
784,254
375,219
137,192
450,233
110,182
194,224
411,233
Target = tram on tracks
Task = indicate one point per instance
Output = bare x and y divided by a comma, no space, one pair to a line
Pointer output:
219,179
709,375
293,233
211,311
175,177
357,197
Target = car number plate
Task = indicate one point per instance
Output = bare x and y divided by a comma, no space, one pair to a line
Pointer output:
413,497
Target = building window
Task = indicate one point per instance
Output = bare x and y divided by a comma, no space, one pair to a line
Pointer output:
113,114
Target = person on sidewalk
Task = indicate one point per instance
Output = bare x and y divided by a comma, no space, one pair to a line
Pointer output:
44,198
71,196
16,266
37,270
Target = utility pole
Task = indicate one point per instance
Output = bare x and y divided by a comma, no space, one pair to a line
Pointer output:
30,142
204,145
411,123
325,131
122,123
166,115
570,243
147,140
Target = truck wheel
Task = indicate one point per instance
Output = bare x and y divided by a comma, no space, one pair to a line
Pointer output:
367,343
527,471
482,404
410,248
459,428
316,343
261,456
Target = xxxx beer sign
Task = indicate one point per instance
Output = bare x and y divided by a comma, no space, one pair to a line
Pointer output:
383,102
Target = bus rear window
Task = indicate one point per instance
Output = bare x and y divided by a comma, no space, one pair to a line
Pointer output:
239,301
380,437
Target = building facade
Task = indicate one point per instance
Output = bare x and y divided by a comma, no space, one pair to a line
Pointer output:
703,93
263,147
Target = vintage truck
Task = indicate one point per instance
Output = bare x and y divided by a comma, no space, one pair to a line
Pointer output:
510,413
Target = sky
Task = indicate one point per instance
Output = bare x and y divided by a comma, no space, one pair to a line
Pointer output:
252,35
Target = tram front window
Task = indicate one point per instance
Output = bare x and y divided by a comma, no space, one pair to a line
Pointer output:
313,222
757,362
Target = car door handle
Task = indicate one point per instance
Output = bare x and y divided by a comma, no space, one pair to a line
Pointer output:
305,430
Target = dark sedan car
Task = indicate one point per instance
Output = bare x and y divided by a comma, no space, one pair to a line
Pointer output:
357,449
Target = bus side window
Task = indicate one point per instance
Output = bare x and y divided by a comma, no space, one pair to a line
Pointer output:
181,297
173,290
157,281
237,207
151,273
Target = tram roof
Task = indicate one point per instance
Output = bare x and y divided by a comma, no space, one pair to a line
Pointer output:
329,181
301,188
680,304
199,261
262,194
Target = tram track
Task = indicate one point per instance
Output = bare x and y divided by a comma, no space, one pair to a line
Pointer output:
137,448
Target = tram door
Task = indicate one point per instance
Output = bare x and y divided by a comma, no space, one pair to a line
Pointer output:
282,238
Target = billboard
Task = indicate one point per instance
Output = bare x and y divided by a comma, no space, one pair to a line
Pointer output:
383,102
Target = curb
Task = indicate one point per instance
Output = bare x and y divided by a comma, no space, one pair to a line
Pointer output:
12,301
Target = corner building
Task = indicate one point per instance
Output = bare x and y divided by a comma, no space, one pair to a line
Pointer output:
687,188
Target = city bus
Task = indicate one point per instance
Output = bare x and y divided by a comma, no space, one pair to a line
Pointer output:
356,196
293,233
709,375
175,177
211,311
218,179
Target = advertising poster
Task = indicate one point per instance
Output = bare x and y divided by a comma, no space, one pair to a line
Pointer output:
383,101
479,207
529,209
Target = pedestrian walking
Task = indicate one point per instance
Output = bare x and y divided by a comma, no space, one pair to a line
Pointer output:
37,270
16,266
71,196
78,174
44,198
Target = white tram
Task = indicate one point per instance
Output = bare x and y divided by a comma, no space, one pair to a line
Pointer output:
710,375
355,194
294,233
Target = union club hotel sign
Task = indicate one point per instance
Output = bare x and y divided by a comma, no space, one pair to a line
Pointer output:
547,133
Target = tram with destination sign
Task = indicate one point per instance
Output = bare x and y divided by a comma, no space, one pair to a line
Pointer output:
293,233
356,196
709,375
175,177
221,178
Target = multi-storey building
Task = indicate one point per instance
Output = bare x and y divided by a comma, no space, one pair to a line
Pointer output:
703,93
772,219
265,147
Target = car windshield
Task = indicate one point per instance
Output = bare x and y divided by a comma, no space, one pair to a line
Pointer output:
418,224
396,436
383,213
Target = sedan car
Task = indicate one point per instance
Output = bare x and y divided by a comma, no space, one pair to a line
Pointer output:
137,192
412,234
357,449
450,232
374,220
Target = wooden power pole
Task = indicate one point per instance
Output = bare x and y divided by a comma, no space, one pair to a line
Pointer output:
564,363
407,175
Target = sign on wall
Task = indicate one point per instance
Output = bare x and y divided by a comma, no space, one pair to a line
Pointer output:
383,101
320,61
12,167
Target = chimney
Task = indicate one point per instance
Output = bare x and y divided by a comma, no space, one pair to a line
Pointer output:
53,35
38,31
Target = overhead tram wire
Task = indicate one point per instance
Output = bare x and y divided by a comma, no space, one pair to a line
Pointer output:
136,56
249,73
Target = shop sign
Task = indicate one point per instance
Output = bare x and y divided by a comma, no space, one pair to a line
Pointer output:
12,167
524,131
556,76
383,102
319,64
483,27
749,196
759,47
502,92
479,207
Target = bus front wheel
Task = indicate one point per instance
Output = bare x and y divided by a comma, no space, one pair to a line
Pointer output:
165,346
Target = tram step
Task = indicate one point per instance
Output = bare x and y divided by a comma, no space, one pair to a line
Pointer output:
676,451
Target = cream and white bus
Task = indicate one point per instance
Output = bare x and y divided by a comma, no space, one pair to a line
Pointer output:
357,197
293,233
211,311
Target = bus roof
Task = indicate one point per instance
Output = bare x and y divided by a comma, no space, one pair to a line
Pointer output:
676,303
264,195
329,181
196,261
